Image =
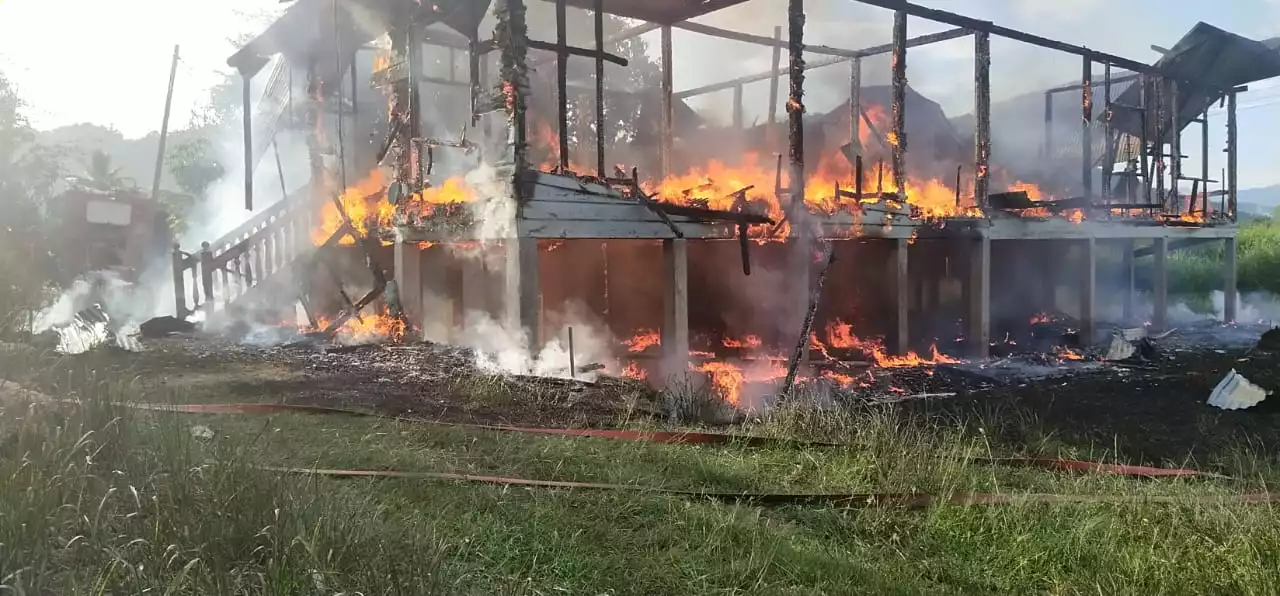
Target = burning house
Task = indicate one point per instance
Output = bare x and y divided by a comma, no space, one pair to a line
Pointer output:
481,168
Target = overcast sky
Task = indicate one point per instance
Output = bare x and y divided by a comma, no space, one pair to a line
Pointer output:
106,61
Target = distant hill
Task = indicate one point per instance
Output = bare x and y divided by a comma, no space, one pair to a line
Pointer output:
135,157
1261,201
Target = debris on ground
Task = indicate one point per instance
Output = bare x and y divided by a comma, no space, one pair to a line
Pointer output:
165,326
1235,392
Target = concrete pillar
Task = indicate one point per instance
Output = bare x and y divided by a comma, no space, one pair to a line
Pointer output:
675,307
436,321
1160,283
1229,293
980,297
522,296
1088,291
899,341
408,278
1127,269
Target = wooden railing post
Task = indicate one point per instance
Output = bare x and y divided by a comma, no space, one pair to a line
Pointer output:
206,277
179,283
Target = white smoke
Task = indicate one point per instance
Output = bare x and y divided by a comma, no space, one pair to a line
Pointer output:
1251,308
123,301
501,349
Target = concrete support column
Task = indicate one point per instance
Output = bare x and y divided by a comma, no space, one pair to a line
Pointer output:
1229,293
437,321
1160,283
408,278
980,297
1126,257
522,298
675,307
1088,291
899,340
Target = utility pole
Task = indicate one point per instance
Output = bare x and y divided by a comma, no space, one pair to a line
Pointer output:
164,127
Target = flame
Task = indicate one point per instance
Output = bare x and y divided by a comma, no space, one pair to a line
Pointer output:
750,342
1040,318
369,328
366,205
643,340
1066,353
633,371
912,359
729,379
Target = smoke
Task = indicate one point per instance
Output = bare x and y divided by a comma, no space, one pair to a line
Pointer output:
1251,308
501,349
123,301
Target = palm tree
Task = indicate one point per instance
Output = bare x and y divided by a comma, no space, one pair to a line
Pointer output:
101,175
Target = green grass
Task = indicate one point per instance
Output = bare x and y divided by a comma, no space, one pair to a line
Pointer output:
95,499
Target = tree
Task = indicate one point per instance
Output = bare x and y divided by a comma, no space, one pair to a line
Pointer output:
28,173
102,174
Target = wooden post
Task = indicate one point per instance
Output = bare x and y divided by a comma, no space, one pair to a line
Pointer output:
511,32
737,108
1160,283
1230,295
414,63
899,340
1047,151
773,78
1175,149
1086,129
562,84
1232,155
206,279
980,297
1204,160
1109,155
1144,99
601,129
668,109
855,105
247,110
179,283
523,290
898,131
982,112
675,303
1126,246
795,105
1089,291
1160,93
164,129
408,278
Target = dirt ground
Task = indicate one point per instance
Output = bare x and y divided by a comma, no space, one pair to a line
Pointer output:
1153,411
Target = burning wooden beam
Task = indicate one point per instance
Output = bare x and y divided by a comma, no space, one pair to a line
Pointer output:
795,103
1086,130
982,118
898,130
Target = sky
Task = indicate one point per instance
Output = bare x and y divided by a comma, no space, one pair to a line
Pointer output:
115,71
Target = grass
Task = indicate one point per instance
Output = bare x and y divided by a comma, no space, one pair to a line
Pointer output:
96,499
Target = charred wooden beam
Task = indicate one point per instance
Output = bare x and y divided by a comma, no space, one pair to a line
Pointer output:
1157,126
511,33
956,20
773,77
872,51
795,102
666,126
1109,158
1232,156
1047,152
1086,129
1144,155
704,214
762,40
802,344
982,121
1204,158
898,130
855,106
1115,79
246,99
601,130
562,83
1175,148
597,54
623,35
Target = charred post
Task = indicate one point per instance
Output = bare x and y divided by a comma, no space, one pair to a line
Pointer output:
737,108
413,111
898,134
1233,147
666,126
1204,160
1144,140
773,79
246,97
600,127
562,84
1086,130
1108,148
1157,125
1175,149
855,105
795,102
982,113
1047,151
511,33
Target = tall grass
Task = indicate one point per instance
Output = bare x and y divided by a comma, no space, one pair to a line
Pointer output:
94,500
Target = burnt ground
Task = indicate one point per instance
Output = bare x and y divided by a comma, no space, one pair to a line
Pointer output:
1152,411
